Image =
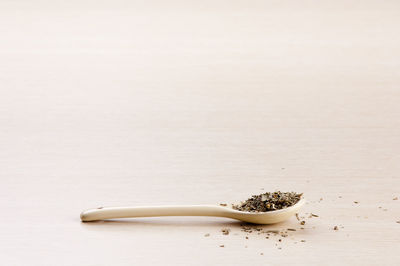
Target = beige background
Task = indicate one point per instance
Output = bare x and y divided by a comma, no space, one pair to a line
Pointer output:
191,102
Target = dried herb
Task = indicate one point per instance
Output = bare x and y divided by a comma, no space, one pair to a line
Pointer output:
335,228
221,246
223,204
207,235
269,201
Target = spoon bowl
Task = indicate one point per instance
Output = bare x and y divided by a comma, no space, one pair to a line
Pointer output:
104,213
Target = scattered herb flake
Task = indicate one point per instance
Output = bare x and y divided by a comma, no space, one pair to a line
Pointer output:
225,231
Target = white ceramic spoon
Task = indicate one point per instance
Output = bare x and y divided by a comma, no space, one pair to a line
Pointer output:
271,217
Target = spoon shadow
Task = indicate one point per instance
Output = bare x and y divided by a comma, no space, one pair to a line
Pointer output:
169,223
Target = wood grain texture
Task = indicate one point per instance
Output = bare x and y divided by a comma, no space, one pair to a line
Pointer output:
141,103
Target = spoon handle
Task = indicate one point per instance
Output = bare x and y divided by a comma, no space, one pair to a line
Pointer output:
103,213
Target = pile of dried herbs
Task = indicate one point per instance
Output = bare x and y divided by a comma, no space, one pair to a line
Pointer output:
269,201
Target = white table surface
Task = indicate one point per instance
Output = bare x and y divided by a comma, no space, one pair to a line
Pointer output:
107,103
